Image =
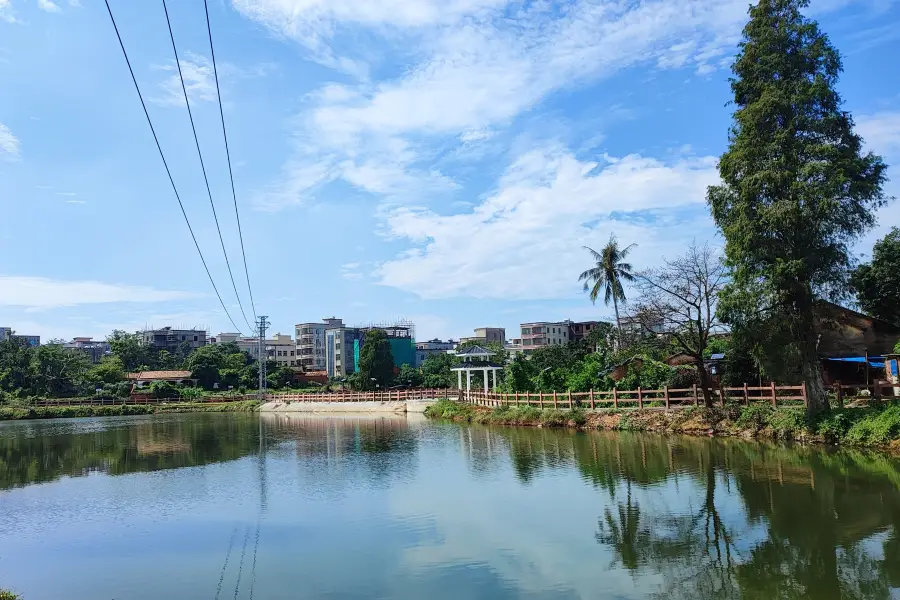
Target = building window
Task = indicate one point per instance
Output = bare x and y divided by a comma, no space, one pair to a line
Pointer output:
195,338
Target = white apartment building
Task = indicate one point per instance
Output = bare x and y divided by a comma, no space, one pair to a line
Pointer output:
310,345
544,333
282,349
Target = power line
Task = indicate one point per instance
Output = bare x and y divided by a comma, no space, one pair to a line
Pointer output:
166,165
202,165
228,156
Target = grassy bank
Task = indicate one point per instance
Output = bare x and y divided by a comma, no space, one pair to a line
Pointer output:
9,413
868,426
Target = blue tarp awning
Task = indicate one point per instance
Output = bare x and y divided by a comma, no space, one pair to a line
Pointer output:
874,361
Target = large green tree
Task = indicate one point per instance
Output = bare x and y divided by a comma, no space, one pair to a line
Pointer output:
877,283
607,274
376,361
129,349
796,190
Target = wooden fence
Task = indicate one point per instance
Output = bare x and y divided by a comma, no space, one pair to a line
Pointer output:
642,398
377,396
784,395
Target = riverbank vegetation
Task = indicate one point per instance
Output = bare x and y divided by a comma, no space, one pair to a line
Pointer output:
7,595
53,371
18,411
876,426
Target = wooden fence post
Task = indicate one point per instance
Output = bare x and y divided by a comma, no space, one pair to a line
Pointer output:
555,405
615,398
541,399
517,398
746,395
570,399
803,393
592,398
774,394
666,392
839,393
696,397
721,394
876,390
640,398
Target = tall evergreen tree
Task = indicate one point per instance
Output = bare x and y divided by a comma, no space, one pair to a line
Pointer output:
797,188
376,361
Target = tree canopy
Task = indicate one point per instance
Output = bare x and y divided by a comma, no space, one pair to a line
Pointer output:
607,274
376,361
797,188
877,283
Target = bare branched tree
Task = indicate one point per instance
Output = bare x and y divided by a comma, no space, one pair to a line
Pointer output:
679,299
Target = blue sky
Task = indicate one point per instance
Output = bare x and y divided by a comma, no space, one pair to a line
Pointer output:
438,160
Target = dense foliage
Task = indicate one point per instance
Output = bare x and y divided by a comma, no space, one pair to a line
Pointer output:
53,371
376,362
877,283
797,189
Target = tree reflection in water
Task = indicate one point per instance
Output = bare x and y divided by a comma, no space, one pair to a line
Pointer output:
768,521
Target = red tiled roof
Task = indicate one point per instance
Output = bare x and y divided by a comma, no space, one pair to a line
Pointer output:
145,375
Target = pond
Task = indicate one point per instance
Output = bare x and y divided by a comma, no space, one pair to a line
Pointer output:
286,506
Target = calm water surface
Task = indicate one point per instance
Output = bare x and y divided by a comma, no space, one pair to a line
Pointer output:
243,506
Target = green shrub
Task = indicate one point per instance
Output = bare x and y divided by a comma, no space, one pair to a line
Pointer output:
787,421
163,389
834,425
190,393
7,595
876,427
755,417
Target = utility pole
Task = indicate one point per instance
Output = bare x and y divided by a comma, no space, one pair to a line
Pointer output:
261,329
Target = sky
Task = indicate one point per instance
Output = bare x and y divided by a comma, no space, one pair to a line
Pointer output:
442,161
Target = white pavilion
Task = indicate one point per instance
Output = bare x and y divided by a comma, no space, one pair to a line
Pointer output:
476,358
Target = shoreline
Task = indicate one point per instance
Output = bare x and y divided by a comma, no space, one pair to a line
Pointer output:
22,413
853,427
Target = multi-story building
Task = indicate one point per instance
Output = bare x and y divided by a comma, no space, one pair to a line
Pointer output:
310,344
282,349
247,344
544,333
6,333
343,345
484,335
94,350
578,330
435,346
339,350
172,339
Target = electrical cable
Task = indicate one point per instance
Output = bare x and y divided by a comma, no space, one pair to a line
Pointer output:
202,165
166,165
237,216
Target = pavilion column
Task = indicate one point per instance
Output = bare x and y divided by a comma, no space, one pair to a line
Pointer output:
485,371
459,380
468,382
494,373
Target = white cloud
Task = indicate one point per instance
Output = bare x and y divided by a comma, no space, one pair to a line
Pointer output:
525,240
351,271
75,202
480,64
9,144
198,80
6,12
66,194
40,293
48,6
881,131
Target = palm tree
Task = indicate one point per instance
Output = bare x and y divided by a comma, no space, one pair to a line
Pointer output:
607,274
